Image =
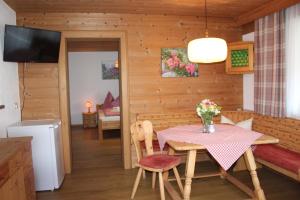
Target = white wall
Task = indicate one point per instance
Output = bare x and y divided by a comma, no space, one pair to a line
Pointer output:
9,81
85,75
248,82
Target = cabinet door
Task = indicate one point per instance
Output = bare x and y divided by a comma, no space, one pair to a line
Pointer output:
14,188
28,173
17,186
29,183
4,190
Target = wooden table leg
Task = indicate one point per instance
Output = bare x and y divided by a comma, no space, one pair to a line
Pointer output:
189,174
249,158
166,173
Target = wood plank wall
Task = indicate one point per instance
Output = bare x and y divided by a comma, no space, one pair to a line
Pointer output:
41,92
147,34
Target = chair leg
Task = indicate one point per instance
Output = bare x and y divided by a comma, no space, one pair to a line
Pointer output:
153,179
136,183
161,186
178,179
144,174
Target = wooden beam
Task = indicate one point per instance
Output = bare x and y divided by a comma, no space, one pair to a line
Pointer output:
82,46
248,28
265,9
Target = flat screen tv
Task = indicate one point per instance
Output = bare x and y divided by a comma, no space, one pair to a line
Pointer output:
23,44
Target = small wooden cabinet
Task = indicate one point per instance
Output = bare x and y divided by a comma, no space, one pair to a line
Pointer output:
89,119
16,171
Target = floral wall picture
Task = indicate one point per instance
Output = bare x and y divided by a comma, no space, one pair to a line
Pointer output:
175,63
109,71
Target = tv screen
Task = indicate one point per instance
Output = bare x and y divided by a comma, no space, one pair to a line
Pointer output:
23,44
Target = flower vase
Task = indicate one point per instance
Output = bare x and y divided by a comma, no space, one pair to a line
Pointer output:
208,126
207,109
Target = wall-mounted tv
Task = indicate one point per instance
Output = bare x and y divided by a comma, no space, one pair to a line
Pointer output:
22,44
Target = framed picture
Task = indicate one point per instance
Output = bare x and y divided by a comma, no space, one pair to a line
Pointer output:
109,70
175,63
240,58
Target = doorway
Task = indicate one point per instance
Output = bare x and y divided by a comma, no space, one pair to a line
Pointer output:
64,95
93,67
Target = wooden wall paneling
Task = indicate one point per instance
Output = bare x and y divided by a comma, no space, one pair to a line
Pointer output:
147,91
41,95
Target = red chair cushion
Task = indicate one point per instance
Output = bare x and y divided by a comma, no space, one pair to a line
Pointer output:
160,161
279,156
155,145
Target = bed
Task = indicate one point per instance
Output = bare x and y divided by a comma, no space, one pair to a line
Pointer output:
106,121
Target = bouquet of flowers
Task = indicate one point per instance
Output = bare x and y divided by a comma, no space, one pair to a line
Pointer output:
207,109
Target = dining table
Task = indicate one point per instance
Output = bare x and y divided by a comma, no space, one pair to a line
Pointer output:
226,145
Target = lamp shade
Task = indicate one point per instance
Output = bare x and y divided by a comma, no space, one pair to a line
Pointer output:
88,104
207,50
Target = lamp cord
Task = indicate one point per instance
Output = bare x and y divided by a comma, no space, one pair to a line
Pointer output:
205,11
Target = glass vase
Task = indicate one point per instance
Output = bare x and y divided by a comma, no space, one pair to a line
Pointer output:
208,126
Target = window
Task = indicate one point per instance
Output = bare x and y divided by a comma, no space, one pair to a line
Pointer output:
293,61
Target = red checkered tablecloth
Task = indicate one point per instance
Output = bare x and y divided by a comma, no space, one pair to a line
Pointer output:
226,144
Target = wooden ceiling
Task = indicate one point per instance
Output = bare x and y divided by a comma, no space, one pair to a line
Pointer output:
216,8
219,8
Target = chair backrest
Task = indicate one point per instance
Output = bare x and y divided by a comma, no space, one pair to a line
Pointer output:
142,131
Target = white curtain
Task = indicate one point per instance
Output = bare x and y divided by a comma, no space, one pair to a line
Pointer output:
293,61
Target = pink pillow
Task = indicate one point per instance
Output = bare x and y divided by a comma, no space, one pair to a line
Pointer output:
108,101
116,102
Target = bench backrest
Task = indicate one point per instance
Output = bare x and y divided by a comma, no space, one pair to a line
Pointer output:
162,121
287,130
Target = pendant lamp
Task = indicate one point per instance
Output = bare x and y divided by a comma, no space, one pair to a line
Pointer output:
207,49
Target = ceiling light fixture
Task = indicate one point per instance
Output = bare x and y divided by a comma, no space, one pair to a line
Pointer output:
208,49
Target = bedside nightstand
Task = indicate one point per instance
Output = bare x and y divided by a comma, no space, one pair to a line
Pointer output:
89,119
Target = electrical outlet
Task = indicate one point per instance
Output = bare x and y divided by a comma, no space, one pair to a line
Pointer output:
16,106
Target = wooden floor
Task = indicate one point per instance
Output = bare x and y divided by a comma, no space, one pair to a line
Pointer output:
98,175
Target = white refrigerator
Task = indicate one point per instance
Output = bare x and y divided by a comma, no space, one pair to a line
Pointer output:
47,154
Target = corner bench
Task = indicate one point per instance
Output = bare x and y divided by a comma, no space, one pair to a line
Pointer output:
287,130
284,157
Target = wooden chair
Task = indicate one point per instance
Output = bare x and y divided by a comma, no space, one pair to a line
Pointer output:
156,163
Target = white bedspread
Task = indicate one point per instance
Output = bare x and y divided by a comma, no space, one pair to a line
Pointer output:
107,118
